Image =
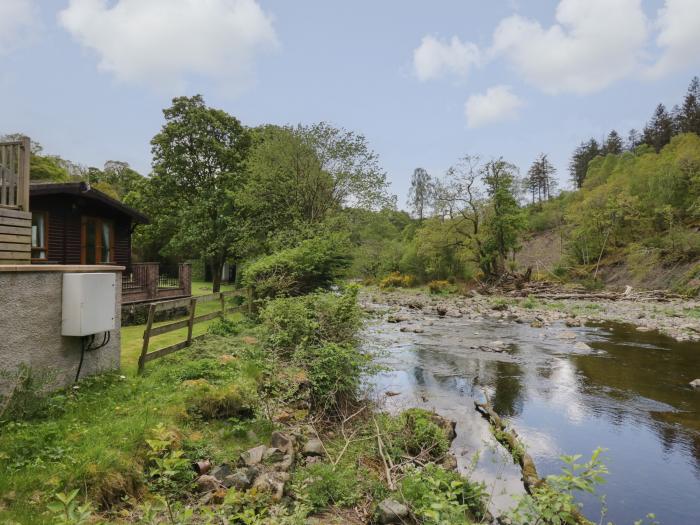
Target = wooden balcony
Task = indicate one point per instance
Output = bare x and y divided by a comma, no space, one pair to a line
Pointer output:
148,282
15,217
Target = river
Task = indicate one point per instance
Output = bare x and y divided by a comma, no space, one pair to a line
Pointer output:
628,393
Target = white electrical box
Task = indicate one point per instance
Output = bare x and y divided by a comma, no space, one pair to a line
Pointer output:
89,303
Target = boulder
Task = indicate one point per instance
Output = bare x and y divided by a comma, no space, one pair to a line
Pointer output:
450,462
254,456
537,324
273,455
582,346
695,383
391,511
207,483
272,482
572,322
220,472
446,425
441,310
396,319
240,479
313,447
282,441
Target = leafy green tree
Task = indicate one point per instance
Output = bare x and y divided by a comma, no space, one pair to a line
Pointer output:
420,193
198,171
505,219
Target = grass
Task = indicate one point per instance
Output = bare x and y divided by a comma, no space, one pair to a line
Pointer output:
204,288
94,437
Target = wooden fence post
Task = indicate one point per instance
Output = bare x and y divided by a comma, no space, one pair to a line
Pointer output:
146,336
223,305
190,325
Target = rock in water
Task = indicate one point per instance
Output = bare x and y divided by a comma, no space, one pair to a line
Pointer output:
581,346
566,335
695,383
391,511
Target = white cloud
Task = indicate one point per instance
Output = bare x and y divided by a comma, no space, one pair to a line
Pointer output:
160,42
497,104
593,44
679,36
18,19
435,58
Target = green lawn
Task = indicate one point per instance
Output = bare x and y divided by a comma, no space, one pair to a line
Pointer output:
204,288
132,336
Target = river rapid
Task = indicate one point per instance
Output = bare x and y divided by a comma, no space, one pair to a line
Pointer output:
565,389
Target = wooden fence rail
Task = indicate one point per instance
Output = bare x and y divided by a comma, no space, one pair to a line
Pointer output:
188,323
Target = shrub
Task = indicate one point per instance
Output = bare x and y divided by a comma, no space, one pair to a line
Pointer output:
334,371
311,320
320,485
439,287
220,402
224,327
417,433
314,263
438,496
397,280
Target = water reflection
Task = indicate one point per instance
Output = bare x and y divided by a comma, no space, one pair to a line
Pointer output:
628,394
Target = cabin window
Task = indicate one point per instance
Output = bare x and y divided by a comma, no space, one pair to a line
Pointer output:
39,236
97,241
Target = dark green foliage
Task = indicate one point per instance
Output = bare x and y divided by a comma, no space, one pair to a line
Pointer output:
335,371
437,496
25,396
416,432
224,327
315,263
311,320
221,402
322,485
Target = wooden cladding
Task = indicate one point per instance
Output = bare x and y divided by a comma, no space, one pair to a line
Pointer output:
14,174
15,236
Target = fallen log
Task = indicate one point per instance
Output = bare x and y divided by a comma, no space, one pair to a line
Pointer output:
509,439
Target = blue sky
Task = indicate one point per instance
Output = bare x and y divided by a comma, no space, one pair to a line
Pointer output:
89,78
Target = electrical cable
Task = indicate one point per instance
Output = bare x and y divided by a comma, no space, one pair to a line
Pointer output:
106,338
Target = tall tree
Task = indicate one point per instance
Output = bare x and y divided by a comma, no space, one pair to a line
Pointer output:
689,117
198,169
634,139
504,220
540,180
613,144
658,132
578,166
420,193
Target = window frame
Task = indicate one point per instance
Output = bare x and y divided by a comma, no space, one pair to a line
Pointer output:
99,240
45,240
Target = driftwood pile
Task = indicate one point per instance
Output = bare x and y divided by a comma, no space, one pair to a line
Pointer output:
513,284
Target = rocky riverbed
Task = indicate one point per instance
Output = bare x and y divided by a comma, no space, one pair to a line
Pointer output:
679,319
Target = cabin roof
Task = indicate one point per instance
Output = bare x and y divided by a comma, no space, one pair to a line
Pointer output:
83,189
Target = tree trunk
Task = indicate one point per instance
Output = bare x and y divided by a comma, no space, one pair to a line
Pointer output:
217,266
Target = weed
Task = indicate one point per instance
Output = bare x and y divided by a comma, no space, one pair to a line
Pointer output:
67,511
321,485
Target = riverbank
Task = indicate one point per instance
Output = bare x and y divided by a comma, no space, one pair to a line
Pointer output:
677,318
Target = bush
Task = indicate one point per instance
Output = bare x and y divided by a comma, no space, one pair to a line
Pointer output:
438,496
416,433
334,372
397,280
320,485
224,327
220,402
311,320
440,287
315,263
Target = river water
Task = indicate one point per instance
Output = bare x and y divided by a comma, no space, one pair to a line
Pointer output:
627,393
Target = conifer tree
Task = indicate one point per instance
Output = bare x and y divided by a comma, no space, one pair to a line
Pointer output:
660,129
689,113
613,144
578,166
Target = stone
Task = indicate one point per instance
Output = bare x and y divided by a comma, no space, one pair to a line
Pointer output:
695,383
282,441
450,462
313,447
396,319
566,335
582,346
240,479
272,482
207,483
537,324
254,456
441,310
571,322
221,471
446,425
273,455
391,511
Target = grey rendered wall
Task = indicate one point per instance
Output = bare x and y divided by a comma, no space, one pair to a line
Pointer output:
30,330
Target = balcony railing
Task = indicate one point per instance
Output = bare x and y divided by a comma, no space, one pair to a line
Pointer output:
149,282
